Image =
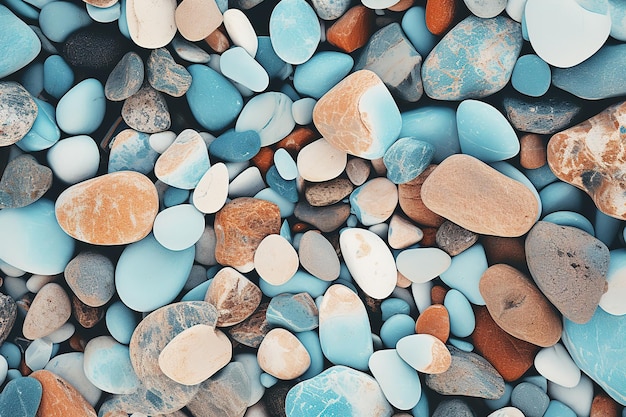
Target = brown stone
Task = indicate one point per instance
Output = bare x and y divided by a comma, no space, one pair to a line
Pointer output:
511,207
240,226
86,316
297,139
410,200
113,209
264,159
252,330
440,15
326,193
326,219
430,237
78,342
518,307
379,167
532,152
592,157
453,239
234,296
401,6
24,181
352,30
505,250
434,321
438,294
510,356
357,170
217,40
60,398
49,311
604,406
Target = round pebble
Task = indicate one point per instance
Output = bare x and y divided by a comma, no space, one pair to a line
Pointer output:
275,260
179,227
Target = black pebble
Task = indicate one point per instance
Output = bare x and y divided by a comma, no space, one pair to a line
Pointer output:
95,49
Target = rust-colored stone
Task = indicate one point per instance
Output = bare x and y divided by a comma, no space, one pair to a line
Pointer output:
532,152
264,159
505,250
217,40
401,6
440,15
434,321
438,294
86,316
430,237
297,139
410,200
78,342
60,398
604,406
234,296
352,30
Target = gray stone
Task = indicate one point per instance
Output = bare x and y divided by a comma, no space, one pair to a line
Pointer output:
91,276
225,394
330,9
454,239
23,182
18,112
8,314
543,115
530,399
146,111
326,219
453,408
125,79
321,194
165,75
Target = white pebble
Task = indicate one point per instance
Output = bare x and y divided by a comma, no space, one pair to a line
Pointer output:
151,24
74,159
556,365
35,282
302,110
320,161
246,184
211,192
578,398
240,30
515,9
422,264
4,369
612,301
159,142
275,260
38,353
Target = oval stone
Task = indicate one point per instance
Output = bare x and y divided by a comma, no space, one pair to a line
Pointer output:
399,382
74,159
211,192
18,111
556,365
234,296
20,44
112,209
151,24
282,355
184,162
107,366
320,73
318,256
422,264
320,161
50,309
275,260
294,31
179,227
90,276
82,109
375,201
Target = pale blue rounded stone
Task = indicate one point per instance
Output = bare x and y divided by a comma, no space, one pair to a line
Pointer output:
285,165
617,11
266,56
199,292
214,101
32,78
174,196
269,114
18,43
301,282
107,365
104,14
558,409
81,110
530,399
267,380
59,19
44,132
22,9
406,158
11,353
415,29
465,272
512,172
462,319
285,206
38,244
346,340
149,276
179,227
435,125
121,322
122,23
561,196
540,177
294,31
395,328
531,75
58,76
570,218
484,132
400,383
393,306
311,342
322,72
237,64
134,154
606,227
69,366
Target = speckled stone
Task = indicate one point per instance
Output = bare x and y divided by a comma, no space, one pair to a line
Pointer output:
126,78
234,296
85,210
240,226
412,204
569,266
252,330
60,398
326,219
18,112
282,355
48,312
21,397
165,75
87,316
542,115
469,375
352,30
604,406
453,239
455,407
592,157
146,111
23,182
90,276
226,394
318,256
321,194
8,314
94,49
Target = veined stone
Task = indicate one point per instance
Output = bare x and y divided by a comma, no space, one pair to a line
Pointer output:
234,296
18,110
60,398
151,24
282,355
184,162
165,75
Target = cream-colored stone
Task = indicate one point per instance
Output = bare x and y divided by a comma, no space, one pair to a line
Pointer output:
197,19
320,161
50,309
275,260
402,233
210,194
151,23
282,355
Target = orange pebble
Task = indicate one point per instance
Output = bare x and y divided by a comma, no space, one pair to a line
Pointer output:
264,159
352,30
604,406
218,41
533,152
434,321
297,139
60,398
401,6
430,237
438,294
440,15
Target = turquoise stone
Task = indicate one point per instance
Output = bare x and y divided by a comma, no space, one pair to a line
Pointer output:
237,64
32,78
473,60
233,146
285,188
399,382
392,306
286,166
18,43
294,31
197,293
617,11
606,227
121,322
269,114
58,76
44,132
570,218
435,125
320,73
395,328
462,319
285,206
414,26
465,271
174,196
406,158
11,353
81,110
531,75
21,397
294,312
275,67
22,9
58,19
149,276
302,281
558,409
132,153
540,177
422,408
26,249
311,342
597,347
107,365
561,196
214,101
338,391
104,14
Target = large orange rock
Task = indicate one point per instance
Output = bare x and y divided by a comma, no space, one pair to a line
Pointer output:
113,209
352,30
60,398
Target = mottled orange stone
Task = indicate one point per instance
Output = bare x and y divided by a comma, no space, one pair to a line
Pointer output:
510,356
410,200
440,15
434,321
217,40
532,154
352,30
235,297
401,6
60,398
264,159
604,406
297,139
113,209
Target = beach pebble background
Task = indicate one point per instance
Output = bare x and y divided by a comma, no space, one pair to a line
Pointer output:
293,208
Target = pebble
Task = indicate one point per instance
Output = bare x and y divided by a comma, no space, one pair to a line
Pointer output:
421,265
321,72
454,407
402,233
578,399
94,49
241,31
435,321
462,320
375,201
58,76
569,266
38,353
62,159
320,161
318,256
146,111
557,408
234,146
23,182
518,306
395,328
226,394
179,227
530,399
531,75
269,114
275,260
487,44
465,271
294,30
302,110
412,204
184,162
21,397
78,208
91,277
443,195
399,382
234,296
611,300
359,395
556,365
486,9
344,328
598,137
195,354
59,398
126,78
238,65
44,132
211,192
407,158
197,19
425,353
131,151
165,75
52,27
69,366
189,51
81,110
415,29
542,115
603,405
352,30
252,330
20,44
107,366
282,355
151,25
8,308
294,312
104,14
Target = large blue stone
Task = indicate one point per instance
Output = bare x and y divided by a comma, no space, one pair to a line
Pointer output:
294,30
320,73
21,398
435,125
19,43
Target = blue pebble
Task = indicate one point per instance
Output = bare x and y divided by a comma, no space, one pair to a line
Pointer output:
266,56
558,409
406,158
286,166
561,196
540,177
462,344
44,132
122,23
301,282
606,227
285,231
198,292
530,399
422,408
18,43
131,151
392,306
11,353
233,146
502,401
398,380
214,101
58,76
287,189
121,322
174,196
462,320
13,374
322,72
22,9
617,11
58,19
294,31
465,271
435,125
21,397
82,109
311,342
104,14
395,328
285,206
538,380
531,75
32,79
294,312
267,380
414,26
570,218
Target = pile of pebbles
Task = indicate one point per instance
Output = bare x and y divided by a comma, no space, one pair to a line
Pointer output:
328,208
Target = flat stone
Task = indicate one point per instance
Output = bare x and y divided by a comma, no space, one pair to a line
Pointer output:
234,296
146,111
435,321
321,72
184,162
197,19
412,204
179,227
590,157
326,193
569,266
469,375
321,161
211,192
85,210
294,31
225,394
50,310
407,158
518,306
399,382
318,256
21,397
107,366
59,398
20,44
275,260
530,399
234,146
94,49
512,205
8,314
253,329
425,353
352,30
363,100
240,226
165,75
151,25
18,109
375,201
542,115
402,233
531,76
90,276
294,312
23,182
282,355
453,239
